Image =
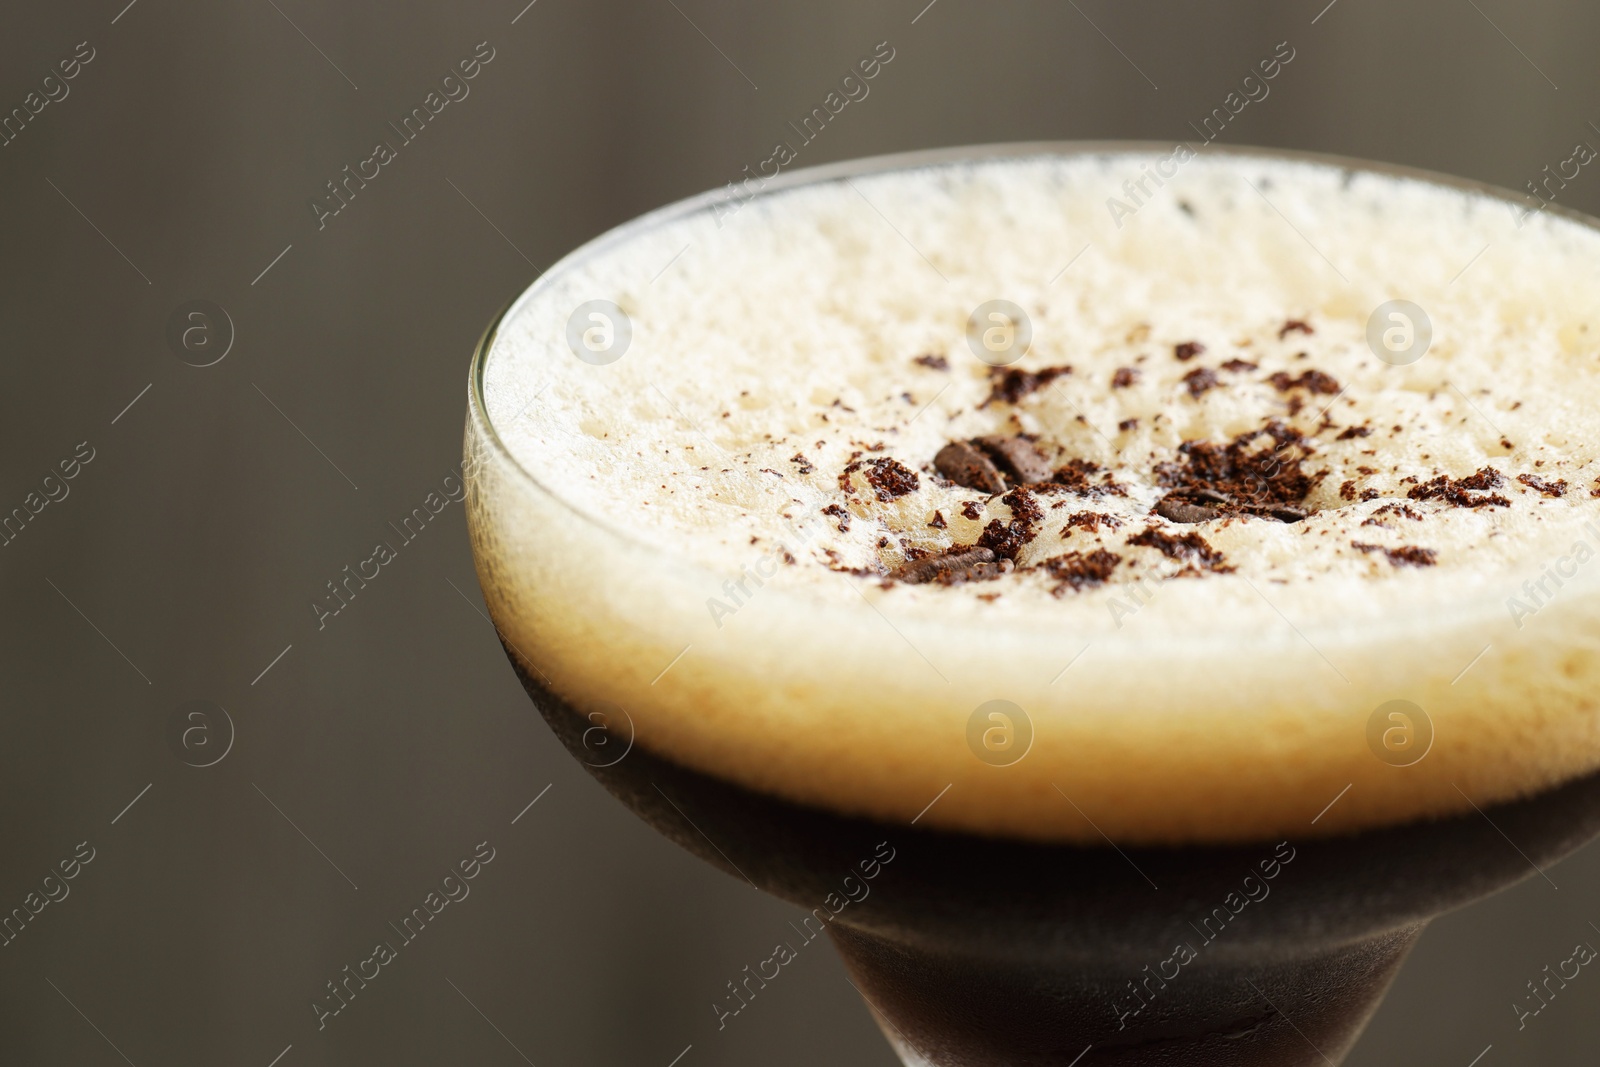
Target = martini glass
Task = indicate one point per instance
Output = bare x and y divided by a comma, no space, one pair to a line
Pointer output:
974,949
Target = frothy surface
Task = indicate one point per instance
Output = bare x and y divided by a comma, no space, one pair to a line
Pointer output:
1198,528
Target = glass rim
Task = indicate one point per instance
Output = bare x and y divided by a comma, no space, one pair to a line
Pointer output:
821,174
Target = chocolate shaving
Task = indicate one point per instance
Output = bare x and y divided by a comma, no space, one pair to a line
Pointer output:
839,512
1076,571
1406,556
1090,521
1402,510
1189,547
1075,475
1074,478
1457,491
972,509
1294,326
1022,505
1187,350
937,522
1201,379
890,479
1124,377
836,563
1006,539
1238,366
1533,481
1354,431
803,462
1313,380
1009,385
1241,476
933,362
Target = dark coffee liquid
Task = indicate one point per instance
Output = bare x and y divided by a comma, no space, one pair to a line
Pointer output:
987,951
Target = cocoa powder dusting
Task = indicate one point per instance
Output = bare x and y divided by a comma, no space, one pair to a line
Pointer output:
1076,571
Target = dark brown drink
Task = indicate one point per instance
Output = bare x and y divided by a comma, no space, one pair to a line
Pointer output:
978,951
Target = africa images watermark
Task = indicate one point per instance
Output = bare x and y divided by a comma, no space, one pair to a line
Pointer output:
738,591
1252,89
53,889
342,589
1252,889
453,887
855,890
53,88
1542,590
52,490
452,87
1542,191
1583,954
853,87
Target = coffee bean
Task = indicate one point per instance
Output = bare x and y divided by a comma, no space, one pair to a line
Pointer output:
954,567
1175,510
969,467
1019,457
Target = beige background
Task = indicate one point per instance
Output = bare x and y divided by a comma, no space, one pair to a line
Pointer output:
396,738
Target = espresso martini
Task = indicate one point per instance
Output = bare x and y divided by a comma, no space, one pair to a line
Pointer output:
949,497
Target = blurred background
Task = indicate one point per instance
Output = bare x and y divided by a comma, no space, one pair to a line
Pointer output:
158,604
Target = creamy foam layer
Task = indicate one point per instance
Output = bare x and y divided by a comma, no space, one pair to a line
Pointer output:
1198,533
